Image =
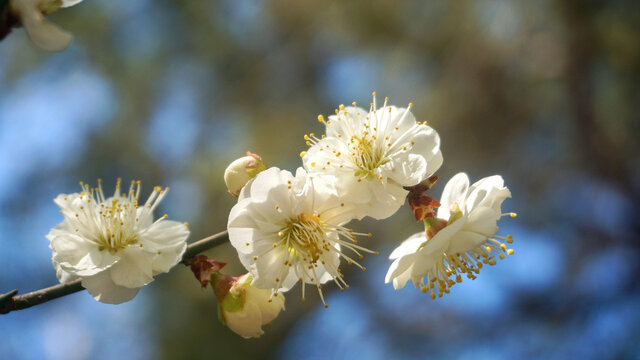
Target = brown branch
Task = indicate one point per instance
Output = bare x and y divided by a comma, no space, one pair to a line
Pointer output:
11,302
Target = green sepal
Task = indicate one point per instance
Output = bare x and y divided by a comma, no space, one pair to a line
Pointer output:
455,216
235,299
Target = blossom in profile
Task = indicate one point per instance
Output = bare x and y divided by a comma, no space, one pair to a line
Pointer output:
458,241
113,244
242,307
373,154
45,35
241,170
291,228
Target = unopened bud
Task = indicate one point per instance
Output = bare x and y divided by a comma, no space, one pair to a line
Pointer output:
244,308
240,171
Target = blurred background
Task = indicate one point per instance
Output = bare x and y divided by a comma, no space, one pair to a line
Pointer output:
545,93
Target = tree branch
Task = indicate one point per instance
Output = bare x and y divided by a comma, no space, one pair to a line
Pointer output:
11,302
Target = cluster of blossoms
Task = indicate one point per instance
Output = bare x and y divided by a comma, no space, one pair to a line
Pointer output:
289,228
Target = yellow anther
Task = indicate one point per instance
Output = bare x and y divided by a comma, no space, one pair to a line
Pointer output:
501,256
510,252
410,104
509,239
303,153
320,118
313,164
373,93
341,107
513,214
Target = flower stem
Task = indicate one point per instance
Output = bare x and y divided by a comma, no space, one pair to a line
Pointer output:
11,302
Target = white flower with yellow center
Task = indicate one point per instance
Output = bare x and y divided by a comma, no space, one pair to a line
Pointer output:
466,238
373,154
288,229
113,243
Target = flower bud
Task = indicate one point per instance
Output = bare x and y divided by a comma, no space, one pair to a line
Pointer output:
240,171
245,308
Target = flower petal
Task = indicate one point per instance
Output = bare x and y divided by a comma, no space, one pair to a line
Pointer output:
464,241
77,255
246,322
489,192
483,221
134,269
103,289
454,193
409,246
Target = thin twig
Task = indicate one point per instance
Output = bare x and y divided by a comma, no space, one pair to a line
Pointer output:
11,302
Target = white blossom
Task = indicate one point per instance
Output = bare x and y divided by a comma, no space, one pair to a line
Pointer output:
113,243
43,34
245,308
467,241
373,154
288,229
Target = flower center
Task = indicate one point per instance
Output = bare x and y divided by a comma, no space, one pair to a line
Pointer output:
310,243
305,237
115,235
112,224
366,155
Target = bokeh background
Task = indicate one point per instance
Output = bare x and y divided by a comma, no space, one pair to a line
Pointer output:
545,93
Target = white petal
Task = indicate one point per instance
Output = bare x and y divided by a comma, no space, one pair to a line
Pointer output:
269,183
246,322
103,289
400,266
434,163
407,169
387,199
409,246
45,35
134,269
267,268
424,263
454,192
167,239
260,297
67,3
77,255
483,221
489,192
464,241
401,280
62,275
